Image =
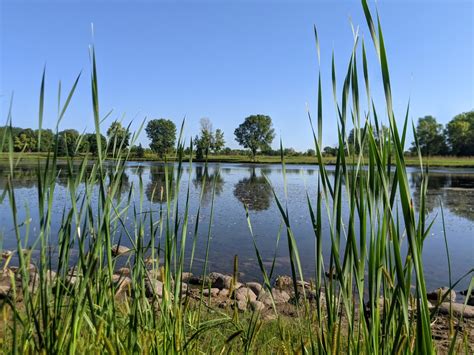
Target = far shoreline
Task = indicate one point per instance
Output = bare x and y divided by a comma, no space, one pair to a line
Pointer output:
436,161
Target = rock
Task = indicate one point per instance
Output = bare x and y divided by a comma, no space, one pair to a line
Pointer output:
220,281
245,294
124,271
118,250
153,287
284,282
224,292
123,285
458,309
150,261
155,274
302,284
470,298
279,297
438,294
257,306
195,280
5,283
186,276
213,292
255,287
241,305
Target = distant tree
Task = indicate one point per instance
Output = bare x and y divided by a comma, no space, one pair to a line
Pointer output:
118,136
460,134
162,134
430,137
255,133
218,142
47,139
139,151
204,142
310,152
25,140
329,151
89,143
67,142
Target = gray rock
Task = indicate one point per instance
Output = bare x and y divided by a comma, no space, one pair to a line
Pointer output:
257,306
245,294
255,287
437,295
153,287
5,283
224,292
118,250
213,292
186,276
217,280
458,309
279,297
241,305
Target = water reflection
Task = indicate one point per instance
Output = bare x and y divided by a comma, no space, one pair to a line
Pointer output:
205,179
157,190
254,192
455,191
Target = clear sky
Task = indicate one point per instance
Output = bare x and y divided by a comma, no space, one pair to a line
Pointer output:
229,59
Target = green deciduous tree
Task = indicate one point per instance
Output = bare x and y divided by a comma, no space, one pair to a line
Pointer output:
218,141
255,133
162,134
89,143
460,134
430,137
25,140
118,135
67,142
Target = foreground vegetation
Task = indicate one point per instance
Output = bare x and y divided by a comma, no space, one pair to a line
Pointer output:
369,296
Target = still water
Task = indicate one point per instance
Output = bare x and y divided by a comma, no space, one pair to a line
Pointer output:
239,184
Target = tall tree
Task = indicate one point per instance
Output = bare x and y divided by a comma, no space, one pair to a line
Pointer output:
204,142
255,133
118,135
218,142
430,136
460,134
162,134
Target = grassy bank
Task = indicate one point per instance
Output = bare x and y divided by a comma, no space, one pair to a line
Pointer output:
436,161
368,296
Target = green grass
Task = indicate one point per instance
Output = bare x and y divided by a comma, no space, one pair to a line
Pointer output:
375,249
435,161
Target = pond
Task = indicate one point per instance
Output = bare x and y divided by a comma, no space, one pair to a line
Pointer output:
239,184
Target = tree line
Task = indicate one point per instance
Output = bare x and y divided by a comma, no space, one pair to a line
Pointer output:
255,134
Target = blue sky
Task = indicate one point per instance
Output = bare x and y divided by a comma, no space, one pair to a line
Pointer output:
227,61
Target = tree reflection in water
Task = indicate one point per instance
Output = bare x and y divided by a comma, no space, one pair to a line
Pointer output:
204,181
254,192
455,191
156,190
